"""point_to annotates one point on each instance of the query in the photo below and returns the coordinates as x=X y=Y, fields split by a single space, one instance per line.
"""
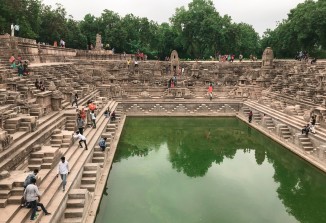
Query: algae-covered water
x=187 y=170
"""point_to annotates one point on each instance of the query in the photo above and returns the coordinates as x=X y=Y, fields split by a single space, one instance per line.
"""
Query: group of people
x=304 y=56
x=310 y=127
x=39 y=85
x=32 y=195
x=172 y=82
x=21 y=66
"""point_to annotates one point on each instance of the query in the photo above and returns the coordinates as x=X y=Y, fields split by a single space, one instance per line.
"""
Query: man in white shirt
x=63 y=170
x=81 y=138
x=31 y=195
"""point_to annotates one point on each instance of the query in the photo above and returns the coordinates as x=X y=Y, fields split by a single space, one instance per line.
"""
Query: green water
x=208 y=170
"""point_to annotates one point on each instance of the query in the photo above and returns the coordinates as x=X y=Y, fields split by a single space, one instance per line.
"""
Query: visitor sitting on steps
x=102 y=143
x=306 y=129
x=31 y=195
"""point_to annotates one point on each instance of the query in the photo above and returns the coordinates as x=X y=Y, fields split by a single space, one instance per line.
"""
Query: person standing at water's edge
x=210 y=91
x=250 y=116
x=63 y=170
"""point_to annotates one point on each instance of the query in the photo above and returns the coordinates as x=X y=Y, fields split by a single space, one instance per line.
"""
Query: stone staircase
x=305 y=143
x=77 y=203
x=89 y=177
x=268 y=123
x=46 y=158
x=71 y=118
x=284 y=131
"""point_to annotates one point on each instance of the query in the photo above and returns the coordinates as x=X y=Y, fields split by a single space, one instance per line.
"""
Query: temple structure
x=36 y=125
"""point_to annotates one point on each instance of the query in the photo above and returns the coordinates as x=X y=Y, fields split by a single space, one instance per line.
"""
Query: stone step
x=75 y=203
x=74 y=212
x=91 y=167
x=65 y=145
x=33 y=167
x=88 y=180
x=35 y=161
x=17 y=199
x=4 y=194
x=308 y=148
x=17 y=191
x=98 y=160
x=73 y=220
x=47 y=159
x=37 y=155
x=46 y=166
x=3 y=203
x=56 y=141
x=89 y=187
x=98 y=153
x=89 y=173
x=77 y=194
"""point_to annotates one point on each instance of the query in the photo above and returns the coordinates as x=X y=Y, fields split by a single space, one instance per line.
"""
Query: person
x=83 y=114
x=31 y=195
x=210 y=91
x=20 y=69
x=240 y=57
x=128 y=63
x=250 y=116
x=81 y=138
x=12 y=61
x=25 y=71
x=19 y=58
x=42 y=88
x=91 y=106
x=75 y=100
x=27 y=182
x=102 y=143
x=29 y=178
x=232 y=58
x=113 y=116
x=313 y=123
x=314 y=60
x=62 y=43
x=136 y=63
x=63 y=170
x=37 y=84
x=93 y=117
x=107 y=113
x=80 y=124
x=306 y=129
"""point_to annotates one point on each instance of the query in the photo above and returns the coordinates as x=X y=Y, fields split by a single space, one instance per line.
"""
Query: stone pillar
x=56 y=101
x=5 y=139
x=44 y=100
x=267 y=59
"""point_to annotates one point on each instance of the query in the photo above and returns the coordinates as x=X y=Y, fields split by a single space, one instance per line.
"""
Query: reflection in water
x=195 y=144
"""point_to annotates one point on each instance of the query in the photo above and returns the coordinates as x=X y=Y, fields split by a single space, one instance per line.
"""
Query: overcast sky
x=261 y=14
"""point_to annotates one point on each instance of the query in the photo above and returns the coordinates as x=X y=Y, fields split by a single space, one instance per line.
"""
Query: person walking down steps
x=63 y=170
x=93 y=116
x=81 y=138
x=75 y=100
